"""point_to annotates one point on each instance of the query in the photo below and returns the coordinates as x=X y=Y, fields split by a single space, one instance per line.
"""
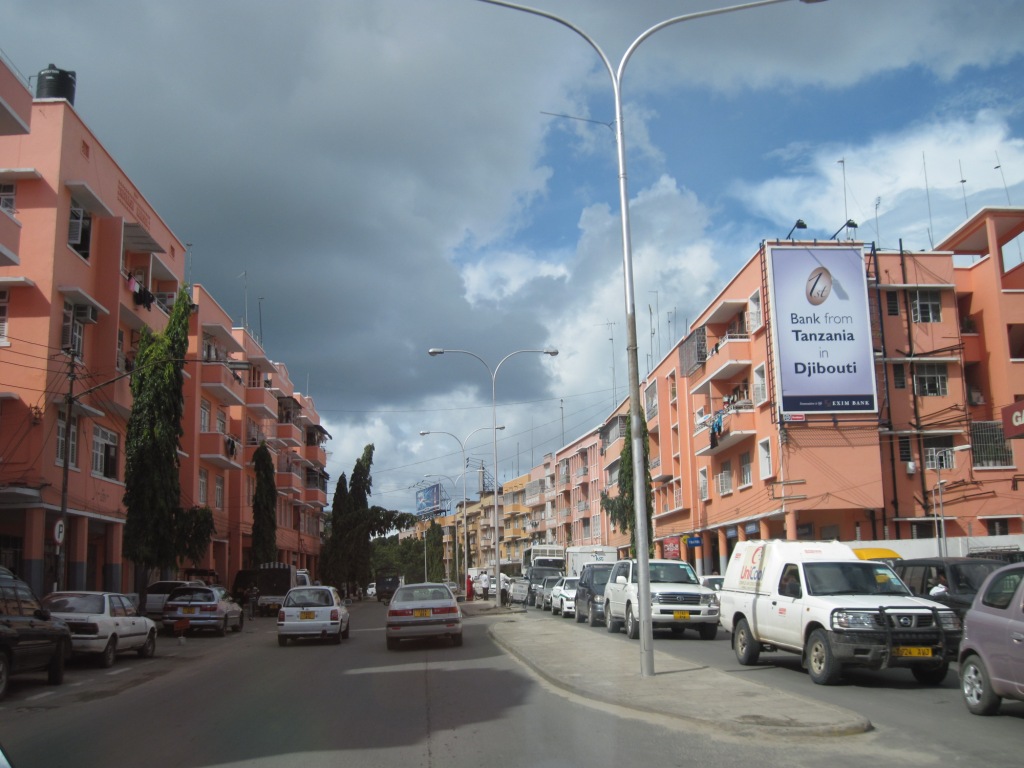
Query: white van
x=818 y=599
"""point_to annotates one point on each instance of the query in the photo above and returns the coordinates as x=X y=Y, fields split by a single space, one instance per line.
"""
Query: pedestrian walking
x=469 y=586
x=253 y=594
x=485 y=583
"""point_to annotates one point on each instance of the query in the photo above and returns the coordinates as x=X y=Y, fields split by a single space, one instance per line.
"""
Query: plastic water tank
x=55 y=83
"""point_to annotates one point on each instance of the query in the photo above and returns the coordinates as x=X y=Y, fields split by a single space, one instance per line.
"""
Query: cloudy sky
x=396 y=175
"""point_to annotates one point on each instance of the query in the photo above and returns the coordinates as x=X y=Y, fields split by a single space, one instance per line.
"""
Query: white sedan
x=103 y=624
x=423 y=610
x=563 y=596
x=312 y=613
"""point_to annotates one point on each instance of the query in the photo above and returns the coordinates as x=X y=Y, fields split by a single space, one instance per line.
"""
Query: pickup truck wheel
x=106 y=659
x=632 y=625
x=708 y=631
x=930 y=675
x=821 y=664
x=148 y=648
x=746 y=647
x=55 y=672
x=610 y=623
x=974 y=684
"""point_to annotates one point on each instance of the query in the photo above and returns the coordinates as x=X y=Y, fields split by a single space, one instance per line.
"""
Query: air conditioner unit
x=976 y=397
x=911 y=467
x=86 y=313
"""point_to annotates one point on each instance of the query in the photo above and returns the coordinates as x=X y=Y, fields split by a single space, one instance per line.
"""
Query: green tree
x=264 y=508
x=620 y=509
x=435 y=552
x=158 y=533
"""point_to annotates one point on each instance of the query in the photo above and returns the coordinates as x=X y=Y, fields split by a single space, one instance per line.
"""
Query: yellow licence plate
x=680 y=615
x=421 y=613
x=905 y=650
x=307 y=615
x=188 y=611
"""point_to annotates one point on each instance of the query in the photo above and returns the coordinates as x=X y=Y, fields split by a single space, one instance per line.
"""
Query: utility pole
x=69 y=402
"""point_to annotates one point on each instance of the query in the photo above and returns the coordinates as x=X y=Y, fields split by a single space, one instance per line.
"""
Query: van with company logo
x=819 y=600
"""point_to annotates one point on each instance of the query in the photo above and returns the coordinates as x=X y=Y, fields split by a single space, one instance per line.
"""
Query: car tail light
x=447 y=609
x=335 y=614
x=396 y=612
x=280 y=615
x=208 y=608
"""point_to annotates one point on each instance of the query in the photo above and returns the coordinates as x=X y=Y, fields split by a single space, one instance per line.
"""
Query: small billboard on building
x=428 y=500
x=821 y=330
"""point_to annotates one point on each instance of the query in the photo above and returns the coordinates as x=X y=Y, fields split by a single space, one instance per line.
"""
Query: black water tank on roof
x=54 y=83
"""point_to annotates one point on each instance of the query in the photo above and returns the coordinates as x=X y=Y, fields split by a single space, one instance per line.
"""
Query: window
x=222 y=422
x=899 y=376
x=104 y=452
x=925 y=306
x=905 y=454
x=764 y=458
x=585 y=524
x=760 y=385
x=7 y=197
x=651 y=400
x=218 y=492
x=79 y=229
x=746 y=471
x=930 y=379
x=71 y=332
x=204 y=416
x=892 y=303
x=723 y=480
x=5 y=298
x=702 y=484
x=938 y=453
x=989 y=447
x=754 y=311
x=997 y=527
x=204 y=481
x=73 y=440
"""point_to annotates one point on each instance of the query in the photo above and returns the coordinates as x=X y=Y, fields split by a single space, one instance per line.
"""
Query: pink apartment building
x=85 y=264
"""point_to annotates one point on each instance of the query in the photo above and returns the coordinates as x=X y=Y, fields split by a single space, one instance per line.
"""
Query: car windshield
x=162 y=587
x=601 y=576
x=192 y=595
x=537 y=575
x=415 y=594
x=853 y=578
x=671 y=573
x=968 y=577
x=570 y=584
x=305 y=598
x=74 y=603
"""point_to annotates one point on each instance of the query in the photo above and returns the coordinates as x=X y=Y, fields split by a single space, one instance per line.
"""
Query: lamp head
x=424 y=432
x=434 y=352
x=850 y=224
x=800 y=224
x=551 y=351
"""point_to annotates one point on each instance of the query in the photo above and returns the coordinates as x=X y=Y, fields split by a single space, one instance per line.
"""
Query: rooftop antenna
x=928 y=195
x=245 y=289
x=188 y=255
x=657 y=314
x=963 y=188
x=611 y=337
x=261 y=319
x=842 y=162
x=878 y=237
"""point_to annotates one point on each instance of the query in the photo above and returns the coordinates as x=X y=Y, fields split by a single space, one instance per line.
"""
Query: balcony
x=736 y=426
x=222 y=384
x=10 y=240
x=287 y=433
x=261 y=402
x=974 y=348
x=220 y=450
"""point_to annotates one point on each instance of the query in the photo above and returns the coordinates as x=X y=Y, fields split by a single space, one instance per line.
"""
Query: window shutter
x=75 y=226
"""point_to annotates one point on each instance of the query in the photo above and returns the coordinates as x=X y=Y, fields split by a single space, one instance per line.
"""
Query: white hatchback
x=103 y=624
x=312 y=613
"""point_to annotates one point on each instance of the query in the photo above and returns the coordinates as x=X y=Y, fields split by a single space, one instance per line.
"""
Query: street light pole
x=639 y=498
x=494 y=428
x=940 y=522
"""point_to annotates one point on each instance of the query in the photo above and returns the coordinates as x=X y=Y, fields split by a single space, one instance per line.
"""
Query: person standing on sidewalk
x=485 y=583
x=469 y=586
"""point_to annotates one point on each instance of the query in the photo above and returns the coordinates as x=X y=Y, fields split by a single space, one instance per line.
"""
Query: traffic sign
x=58 y=532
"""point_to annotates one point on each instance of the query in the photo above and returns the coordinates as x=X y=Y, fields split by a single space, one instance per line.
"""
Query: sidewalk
x=588 y=663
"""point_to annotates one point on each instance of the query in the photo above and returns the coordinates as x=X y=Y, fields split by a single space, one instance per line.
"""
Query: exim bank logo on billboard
x=822 y=330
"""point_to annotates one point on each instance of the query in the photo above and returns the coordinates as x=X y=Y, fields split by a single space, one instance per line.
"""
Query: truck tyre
x=974 y=684
x=821 y=664
x=930 y=675
x=632 y=625
x=746 y=647
x=580 y=618
x=610 y=623
x=708 y=631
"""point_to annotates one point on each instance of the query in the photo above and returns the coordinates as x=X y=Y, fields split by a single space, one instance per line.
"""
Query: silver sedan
x=202 y=608
x=423 y=610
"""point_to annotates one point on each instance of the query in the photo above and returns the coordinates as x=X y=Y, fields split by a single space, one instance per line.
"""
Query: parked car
x=712 y=582
x=964 y=577
x=423 y=610
x=103 y=624
x=371 y=590
x=156 y=596
x=991 y=659
x=202 y=607
x=31 y=640
x=312 y=613
x=678 y=601
x=535 y=575
x=590 y=593
x=544 y=594
x=563 y=596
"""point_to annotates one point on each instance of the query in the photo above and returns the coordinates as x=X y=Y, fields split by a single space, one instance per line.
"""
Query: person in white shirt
x=485 y=583
x=941 y=587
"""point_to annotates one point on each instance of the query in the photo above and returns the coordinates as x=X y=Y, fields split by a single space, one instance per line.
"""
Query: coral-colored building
x=85 y=265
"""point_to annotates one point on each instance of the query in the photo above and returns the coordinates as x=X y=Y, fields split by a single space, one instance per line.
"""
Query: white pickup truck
x=819 y=600
x=678 y=599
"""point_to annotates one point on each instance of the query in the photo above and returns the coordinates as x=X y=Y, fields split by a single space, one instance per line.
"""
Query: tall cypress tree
x=620 y=509
x=157 y=531
x=264 y=508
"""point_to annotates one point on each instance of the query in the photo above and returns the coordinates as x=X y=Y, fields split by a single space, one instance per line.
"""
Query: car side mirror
x=620 y=580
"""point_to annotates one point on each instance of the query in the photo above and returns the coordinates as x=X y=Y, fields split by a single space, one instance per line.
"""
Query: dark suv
x=30 y=640
x=590 y=593
x=964 y=577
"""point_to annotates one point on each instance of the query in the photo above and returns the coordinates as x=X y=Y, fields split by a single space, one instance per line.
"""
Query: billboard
x=1013 y=421
x=428 y=500
x=824 y=360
